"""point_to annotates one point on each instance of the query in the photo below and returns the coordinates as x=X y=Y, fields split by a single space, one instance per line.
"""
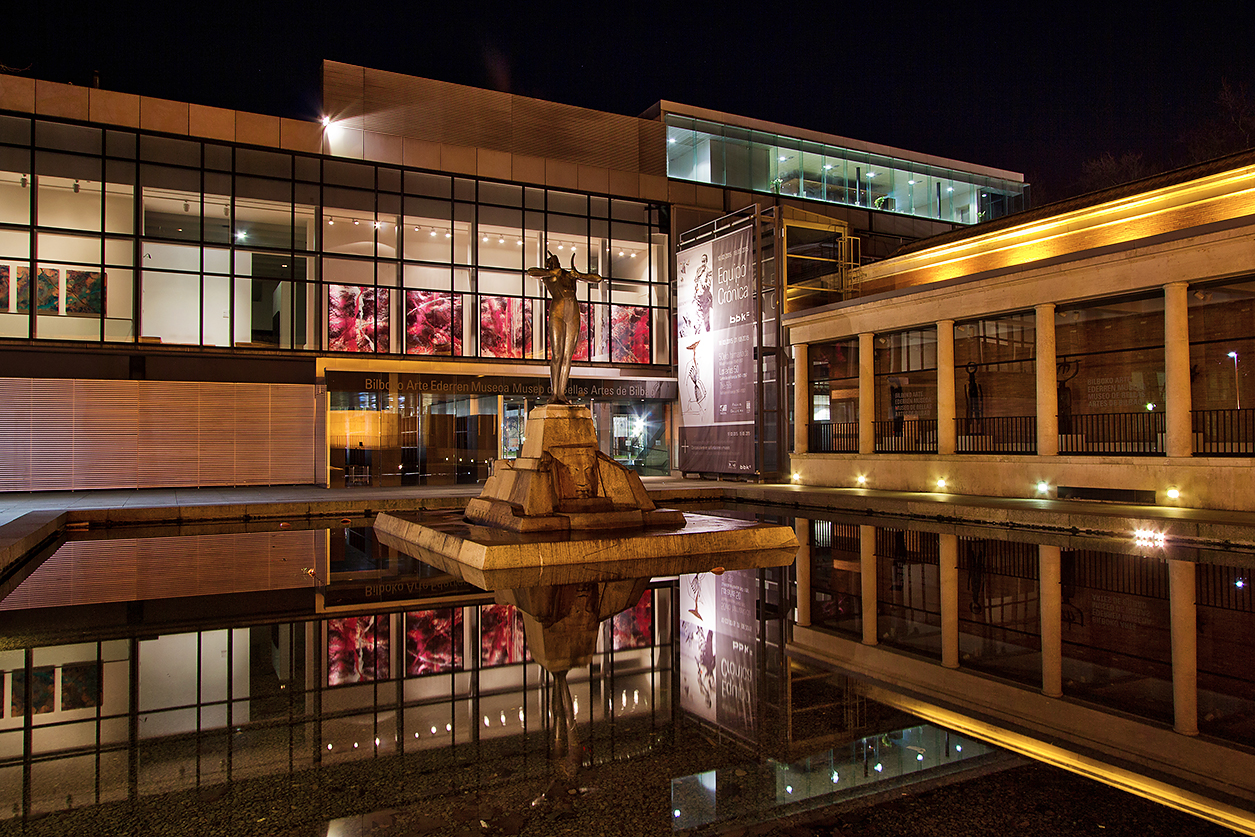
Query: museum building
x=193 y=296
x=1097 y=348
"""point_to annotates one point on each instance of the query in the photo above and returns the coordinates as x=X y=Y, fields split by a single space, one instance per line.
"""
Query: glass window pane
x=70 y=203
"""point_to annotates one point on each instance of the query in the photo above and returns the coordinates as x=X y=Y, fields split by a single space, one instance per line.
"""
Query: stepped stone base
x=563 y=482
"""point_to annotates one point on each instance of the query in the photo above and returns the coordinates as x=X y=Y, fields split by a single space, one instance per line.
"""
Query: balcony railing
x=996 y=434
x=906 y=436
x=1224 y=432
x=1133 y=434
x=834 y=437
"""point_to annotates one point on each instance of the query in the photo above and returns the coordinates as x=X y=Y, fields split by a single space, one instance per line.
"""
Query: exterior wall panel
x=65 y=434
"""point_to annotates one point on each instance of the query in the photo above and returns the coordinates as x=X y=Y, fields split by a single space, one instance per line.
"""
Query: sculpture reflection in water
x=563 y=606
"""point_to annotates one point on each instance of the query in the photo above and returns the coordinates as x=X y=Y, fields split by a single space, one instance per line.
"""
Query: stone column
x=1184 y=609
x=945 y=388
x=866 y=395
x=949 y=565
x=802 y=528
x=1177 y=399
x=1047 y=386
x=1050 y=597
x=867 y=574
x=801 y=399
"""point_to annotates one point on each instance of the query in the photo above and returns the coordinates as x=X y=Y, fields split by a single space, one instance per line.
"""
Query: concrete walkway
x=30 y=518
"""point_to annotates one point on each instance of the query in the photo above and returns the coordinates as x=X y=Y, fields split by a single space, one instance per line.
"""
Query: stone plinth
x=563 y=482
x=492 y=558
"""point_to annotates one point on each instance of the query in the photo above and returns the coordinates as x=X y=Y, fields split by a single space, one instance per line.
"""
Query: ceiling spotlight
x=448 y=235
x=861 y=479
x=433 y=232
x=827 y=166
x=378 y=225
x=23 y=181
x=1043 y=487
x=356 y=222
x=501 y=241
x=186 y=206
x=76 y=187
x=326 y=121
x=331 y=222
x=1174 y=494
x=941 y=483
x=912 y=182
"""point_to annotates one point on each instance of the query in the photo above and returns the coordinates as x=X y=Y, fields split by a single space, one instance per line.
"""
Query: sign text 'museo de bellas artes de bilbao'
x=406 y=383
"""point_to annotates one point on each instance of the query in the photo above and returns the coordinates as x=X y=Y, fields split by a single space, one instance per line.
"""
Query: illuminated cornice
x=1219 y=197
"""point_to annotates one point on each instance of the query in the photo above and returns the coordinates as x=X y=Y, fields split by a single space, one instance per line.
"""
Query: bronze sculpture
x=564 y=318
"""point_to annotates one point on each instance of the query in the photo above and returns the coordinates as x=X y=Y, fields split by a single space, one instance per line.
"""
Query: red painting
x=357 y=649
x=357 y=318
x=433 y=323
x=433 y=641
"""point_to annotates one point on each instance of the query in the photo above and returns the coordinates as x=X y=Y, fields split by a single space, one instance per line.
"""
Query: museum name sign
x=407 y=383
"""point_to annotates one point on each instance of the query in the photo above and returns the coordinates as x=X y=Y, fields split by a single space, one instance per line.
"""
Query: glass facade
x=117 y=236
x=743 y=158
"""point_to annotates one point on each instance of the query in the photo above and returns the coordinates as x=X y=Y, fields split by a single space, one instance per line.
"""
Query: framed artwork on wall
x=84 y=293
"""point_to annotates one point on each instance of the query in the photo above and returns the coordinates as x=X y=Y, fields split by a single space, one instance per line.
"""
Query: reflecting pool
x=284 y=678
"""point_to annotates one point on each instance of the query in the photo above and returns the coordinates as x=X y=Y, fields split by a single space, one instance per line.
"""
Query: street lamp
x=1237 y=386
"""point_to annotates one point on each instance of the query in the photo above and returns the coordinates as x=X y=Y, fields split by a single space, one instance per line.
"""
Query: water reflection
x=148 y=675
x=752 y=791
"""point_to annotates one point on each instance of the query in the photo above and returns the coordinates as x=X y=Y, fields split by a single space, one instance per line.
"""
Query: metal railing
x=1224 y=432
x=906 y=436
x=833 y=437
x=996 y=434
x=1134 y=434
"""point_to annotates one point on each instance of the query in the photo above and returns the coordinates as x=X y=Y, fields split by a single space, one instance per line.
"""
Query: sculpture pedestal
x=564 y=482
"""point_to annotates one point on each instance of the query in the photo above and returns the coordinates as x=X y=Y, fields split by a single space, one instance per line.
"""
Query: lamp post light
x=1237 y=386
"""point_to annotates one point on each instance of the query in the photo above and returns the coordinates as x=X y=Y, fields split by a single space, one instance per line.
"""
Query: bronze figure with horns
x=564 y=318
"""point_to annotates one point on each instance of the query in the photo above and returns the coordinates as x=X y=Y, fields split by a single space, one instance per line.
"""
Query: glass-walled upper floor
x=743 y=158
x=120 y=236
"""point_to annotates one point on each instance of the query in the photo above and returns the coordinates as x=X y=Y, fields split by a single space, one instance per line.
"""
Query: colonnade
x=1181 y=599
x=1177 y=401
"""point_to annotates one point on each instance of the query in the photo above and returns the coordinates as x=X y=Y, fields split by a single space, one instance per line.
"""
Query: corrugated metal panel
x=292 y=436
x=653 y=147
x=217 y=419
x=64 y=434
x=343 y=88
x=169 y=436
x=454 y=114
x=252 y=434
x=52 y=434
x=15 y=434
x=105 y=434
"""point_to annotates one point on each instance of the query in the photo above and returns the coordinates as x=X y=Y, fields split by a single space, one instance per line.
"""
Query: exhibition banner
x=716 y=327
x=718 y=652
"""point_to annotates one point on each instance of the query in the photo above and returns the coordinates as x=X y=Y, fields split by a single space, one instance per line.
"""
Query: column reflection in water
x=836 y=594
x=999 y=630
x=1116 y=631
x=909 y=590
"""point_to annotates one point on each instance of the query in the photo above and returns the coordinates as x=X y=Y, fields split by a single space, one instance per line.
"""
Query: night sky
x=1035 y=89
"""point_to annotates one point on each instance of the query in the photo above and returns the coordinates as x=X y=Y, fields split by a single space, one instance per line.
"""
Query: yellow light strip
x=1177 y=197
x=1125 y=780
